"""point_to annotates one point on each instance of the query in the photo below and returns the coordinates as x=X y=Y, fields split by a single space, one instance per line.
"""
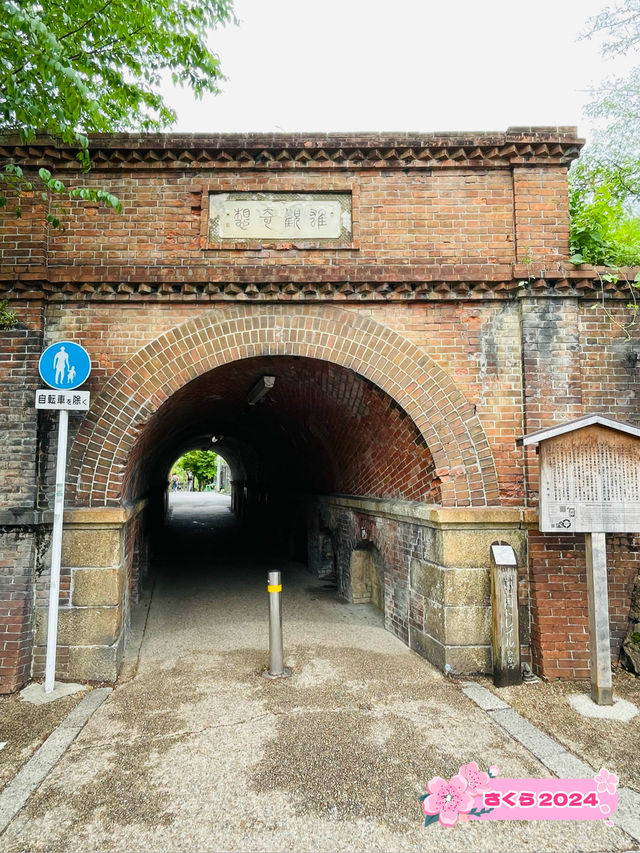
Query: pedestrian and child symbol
x=65 y=365
x=60 y=361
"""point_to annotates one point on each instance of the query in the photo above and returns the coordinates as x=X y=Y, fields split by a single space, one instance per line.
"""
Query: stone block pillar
x=93 y=613
x=450 y=587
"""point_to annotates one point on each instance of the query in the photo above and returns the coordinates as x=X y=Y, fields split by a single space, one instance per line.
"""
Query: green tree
x=604 y=227
x=72 y=67
x=203 y=463
x=604 y=182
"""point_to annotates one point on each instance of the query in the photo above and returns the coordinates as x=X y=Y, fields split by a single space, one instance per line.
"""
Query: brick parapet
x=452 y=208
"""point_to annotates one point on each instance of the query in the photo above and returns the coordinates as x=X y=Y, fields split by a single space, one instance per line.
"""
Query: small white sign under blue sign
x=64 y=365
x=73 y=401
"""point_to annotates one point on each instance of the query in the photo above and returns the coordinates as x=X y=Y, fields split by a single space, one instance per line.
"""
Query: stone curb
x=551 y=753
x=22 y=786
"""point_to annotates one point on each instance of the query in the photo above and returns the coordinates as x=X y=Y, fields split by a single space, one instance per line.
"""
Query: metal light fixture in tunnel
x=260 y=389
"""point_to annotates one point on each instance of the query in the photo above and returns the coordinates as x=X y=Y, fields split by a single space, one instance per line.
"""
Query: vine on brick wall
x=8 y=318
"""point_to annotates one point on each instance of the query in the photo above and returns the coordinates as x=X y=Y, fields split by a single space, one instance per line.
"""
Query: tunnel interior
x=321 y=429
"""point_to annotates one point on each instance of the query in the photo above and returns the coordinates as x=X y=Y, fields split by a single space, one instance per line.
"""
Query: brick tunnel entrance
x=364 y=461
x=320 y=430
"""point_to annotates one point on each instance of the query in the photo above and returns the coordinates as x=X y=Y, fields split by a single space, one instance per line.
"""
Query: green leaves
x=605 y=181
x=202 y=463
x=95 y=65
x=82 y=66
x=605 y=231
x=7 y=318
x=48 y=188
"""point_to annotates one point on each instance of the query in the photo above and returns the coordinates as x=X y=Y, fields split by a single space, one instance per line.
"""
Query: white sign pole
x=56 y=552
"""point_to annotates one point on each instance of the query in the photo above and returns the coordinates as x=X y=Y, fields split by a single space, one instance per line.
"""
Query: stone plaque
x=590 y=482
x=268 y=217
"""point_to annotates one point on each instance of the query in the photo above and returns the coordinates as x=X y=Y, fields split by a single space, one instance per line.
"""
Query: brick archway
x=425 y=392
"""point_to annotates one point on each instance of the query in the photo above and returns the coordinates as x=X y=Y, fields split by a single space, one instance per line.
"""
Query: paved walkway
x=196 y=751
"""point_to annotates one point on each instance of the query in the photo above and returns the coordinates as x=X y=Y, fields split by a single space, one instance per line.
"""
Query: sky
x=400 y=65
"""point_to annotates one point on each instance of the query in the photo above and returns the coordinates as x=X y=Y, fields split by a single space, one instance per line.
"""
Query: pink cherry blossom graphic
x=606 y=782
x=477 y=780
x=448 y=800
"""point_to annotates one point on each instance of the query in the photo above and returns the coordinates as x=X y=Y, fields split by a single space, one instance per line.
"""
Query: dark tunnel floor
x=203 y=543
x=202 y=536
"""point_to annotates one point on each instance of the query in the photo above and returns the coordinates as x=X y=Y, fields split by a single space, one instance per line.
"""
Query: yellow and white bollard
x=276 y=664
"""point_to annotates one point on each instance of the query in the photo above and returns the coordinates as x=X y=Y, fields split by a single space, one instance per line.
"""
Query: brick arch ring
x=452 y=431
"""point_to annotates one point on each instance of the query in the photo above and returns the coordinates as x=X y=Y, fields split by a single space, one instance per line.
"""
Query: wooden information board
x=590 y=482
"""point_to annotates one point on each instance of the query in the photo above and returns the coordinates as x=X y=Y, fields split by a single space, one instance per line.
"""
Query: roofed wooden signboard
x=589 y=476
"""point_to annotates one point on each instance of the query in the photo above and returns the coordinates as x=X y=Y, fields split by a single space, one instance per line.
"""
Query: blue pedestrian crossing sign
x=64 y=365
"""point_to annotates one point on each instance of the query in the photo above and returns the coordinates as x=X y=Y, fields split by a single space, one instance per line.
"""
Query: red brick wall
x=23 y=239
x=559 y=616
x=423 y=205
x=16 y=568
x=396 y=542
x=541 y=214
x=447 y=421
x=577 y=360
x=19 y=351
x=477 y=344
x=460 y=216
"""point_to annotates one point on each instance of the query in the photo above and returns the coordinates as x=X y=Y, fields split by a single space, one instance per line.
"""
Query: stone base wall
x=94 y=597
x=436 y=569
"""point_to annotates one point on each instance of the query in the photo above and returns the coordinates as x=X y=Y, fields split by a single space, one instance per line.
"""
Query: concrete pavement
x=196 y=751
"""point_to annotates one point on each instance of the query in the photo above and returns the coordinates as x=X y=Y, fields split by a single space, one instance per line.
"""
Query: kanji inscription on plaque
x=242 y=217
x=590 y=482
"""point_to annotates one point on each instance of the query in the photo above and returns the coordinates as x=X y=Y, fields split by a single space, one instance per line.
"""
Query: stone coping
x=437 y=516
x=110 y=516
x=430 y=514
x=103 y=515
x=532 y=133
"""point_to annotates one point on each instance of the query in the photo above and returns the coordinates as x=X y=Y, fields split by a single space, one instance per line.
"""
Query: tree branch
x=85 y=23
